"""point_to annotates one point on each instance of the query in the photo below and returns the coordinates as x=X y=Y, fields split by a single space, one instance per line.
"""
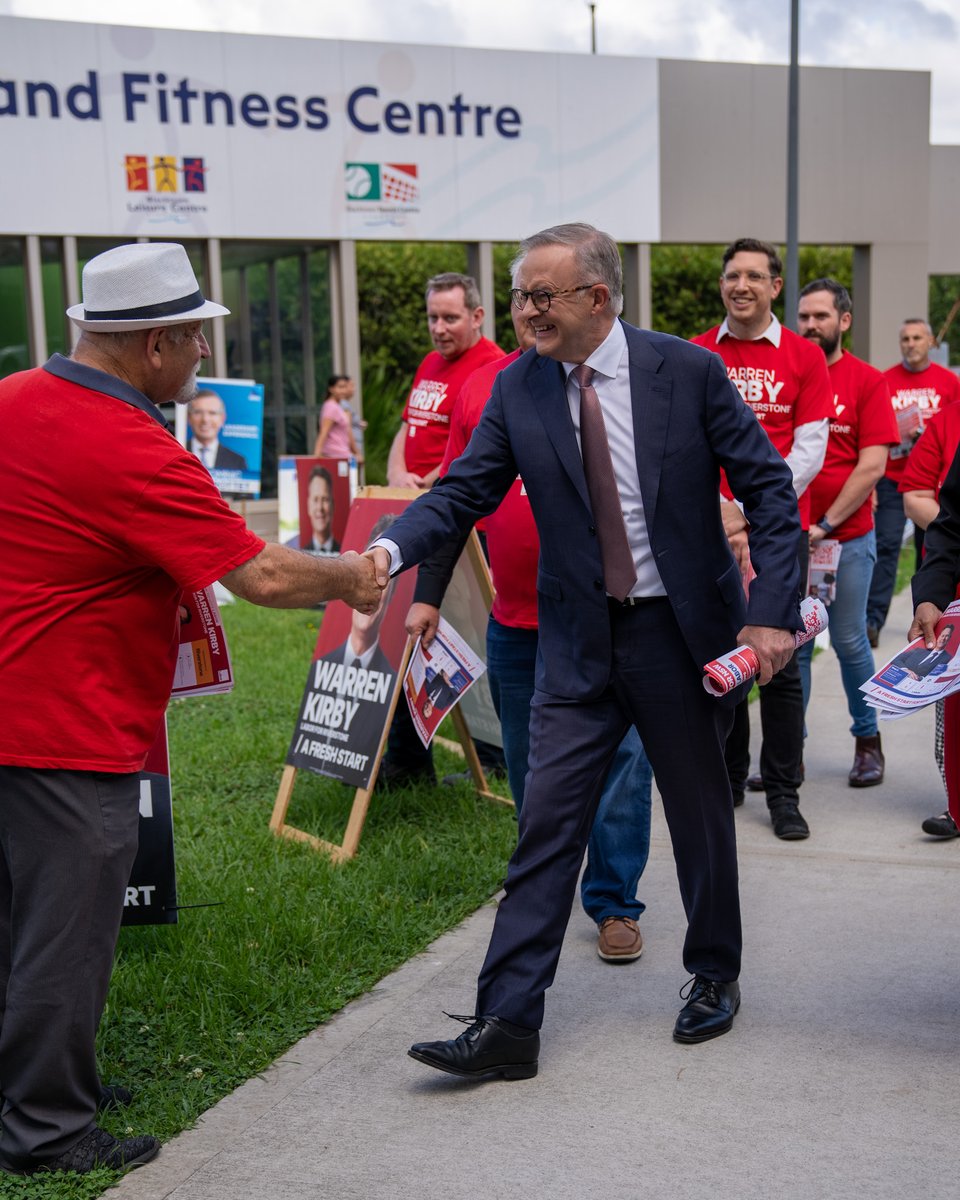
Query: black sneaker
x=943 y=826
x=97 y=1149
x=788 y=824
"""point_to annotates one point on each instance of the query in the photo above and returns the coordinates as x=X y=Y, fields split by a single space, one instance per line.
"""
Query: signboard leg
x=473 y=761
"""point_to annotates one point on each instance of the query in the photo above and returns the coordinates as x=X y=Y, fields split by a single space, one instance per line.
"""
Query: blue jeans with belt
x=620 y=838
x=848 y=632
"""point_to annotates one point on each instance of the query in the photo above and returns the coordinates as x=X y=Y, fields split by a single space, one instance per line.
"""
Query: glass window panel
x=14 y=347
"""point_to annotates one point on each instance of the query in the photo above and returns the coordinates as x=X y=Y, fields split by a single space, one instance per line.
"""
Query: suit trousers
x=67 y=844
x=656 y=686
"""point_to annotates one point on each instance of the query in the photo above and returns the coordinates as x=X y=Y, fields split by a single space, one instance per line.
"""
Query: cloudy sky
x=919 y=35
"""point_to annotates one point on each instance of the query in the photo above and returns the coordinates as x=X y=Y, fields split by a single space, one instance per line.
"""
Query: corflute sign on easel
x=175 y=134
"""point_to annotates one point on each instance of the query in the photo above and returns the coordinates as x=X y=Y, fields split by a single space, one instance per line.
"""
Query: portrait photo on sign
x=354 y=673
x=224 y=429
x=314 y=502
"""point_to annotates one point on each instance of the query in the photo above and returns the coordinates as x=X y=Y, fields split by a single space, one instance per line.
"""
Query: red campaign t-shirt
x=862 y=417
x=430 y=403
x=930 y=459
x=932 y=389
x=785 y=385
x=104 y=520
x=513 y=544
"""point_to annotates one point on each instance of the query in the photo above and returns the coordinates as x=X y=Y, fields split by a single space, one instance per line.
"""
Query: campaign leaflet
x=151 y=894
x=909 y=426
x=917 y=676
x=353 y=678
x=203 y=660
x=437 y=678
x=822 y=570
x=738 y=666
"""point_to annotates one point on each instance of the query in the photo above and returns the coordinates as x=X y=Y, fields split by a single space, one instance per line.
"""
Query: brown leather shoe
x=619 y=940
x=867 y=769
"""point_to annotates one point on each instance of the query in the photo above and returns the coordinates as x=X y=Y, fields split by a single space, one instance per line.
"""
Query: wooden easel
x=361 y=800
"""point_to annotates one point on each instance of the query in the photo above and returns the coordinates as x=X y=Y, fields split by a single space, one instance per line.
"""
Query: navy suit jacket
x=229 y=459
x=689 y=421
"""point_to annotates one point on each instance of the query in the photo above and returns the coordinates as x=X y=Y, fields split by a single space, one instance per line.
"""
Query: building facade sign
x=115 y=131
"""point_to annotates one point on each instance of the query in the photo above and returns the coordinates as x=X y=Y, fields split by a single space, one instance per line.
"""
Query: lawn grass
x=197 y=1008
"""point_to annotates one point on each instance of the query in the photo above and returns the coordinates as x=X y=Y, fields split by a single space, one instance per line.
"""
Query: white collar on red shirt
x=771 y=333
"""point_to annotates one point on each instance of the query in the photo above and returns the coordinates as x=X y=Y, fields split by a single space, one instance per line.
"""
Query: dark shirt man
x=95 y=561
x=671 y=420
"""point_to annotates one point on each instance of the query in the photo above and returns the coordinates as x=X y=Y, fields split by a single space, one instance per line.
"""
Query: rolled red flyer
x=730 y=670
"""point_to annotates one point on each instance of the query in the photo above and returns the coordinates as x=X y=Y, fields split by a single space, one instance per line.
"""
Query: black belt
x=632 y=601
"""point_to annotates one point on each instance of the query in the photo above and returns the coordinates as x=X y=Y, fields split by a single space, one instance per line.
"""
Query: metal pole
x=593 y=28
x=791 y=289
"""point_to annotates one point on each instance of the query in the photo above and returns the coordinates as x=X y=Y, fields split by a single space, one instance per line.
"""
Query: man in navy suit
x=207 y=416
x=672 y=420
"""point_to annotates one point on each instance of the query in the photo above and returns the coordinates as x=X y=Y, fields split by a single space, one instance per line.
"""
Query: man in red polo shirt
x=105 y=519
x=919 y=390
x=861 y=429
x=454 y=318
x=783 y=378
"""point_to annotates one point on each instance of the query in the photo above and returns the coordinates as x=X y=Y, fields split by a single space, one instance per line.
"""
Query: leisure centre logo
x=395 y=183
x=160 y=179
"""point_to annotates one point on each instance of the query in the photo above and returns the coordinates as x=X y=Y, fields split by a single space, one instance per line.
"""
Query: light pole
x=791 y=291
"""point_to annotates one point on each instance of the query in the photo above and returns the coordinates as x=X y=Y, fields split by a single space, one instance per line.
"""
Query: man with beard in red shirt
x=840 y=507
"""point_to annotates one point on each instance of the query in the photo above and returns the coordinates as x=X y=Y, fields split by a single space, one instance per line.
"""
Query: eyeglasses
x=542 y=298
x=733 y=277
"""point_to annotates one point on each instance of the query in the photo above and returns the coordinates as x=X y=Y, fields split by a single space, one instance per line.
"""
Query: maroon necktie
x=619 y=572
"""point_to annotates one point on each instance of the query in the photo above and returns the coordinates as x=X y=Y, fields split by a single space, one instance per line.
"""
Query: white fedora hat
x=141 y=286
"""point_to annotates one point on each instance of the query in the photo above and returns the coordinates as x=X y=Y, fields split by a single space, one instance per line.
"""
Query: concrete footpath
x=838 y=1080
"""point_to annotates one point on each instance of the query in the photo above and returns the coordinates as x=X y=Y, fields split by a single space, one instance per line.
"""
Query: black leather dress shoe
x=490 y=1049
x=709 y=1010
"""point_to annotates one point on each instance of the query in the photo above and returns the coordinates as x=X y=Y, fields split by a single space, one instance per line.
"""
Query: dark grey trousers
x=67 y=844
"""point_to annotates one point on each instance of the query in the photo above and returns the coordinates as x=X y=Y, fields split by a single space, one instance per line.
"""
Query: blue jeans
x=620 y=839
x=890 y=520
x=848 y=632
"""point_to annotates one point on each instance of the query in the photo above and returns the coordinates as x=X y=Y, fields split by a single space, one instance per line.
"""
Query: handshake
x=364 y=578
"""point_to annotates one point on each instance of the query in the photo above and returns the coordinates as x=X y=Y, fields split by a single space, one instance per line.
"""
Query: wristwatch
x=825 y=525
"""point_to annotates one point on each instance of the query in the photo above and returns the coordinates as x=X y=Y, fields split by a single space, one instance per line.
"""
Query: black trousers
x=67 y=844
x=655 y=685
x=781 y=721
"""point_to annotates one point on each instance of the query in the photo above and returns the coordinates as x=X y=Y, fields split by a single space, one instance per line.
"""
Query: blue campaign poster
x=225 y=431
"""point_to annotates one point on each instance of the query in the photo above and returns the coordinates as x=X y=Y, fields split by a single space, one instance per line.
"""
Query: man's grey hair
x=453 y=279
x=918 y=321
x=120 y=340
x=596 y=253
